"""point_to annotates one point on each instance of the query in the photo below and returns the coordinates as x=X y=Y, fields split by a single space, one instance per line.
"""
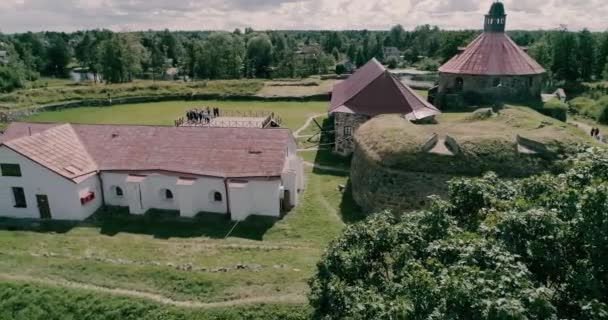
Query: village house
x=68 y=171
x=372 y=90
x=492 y=65
x=391 y=52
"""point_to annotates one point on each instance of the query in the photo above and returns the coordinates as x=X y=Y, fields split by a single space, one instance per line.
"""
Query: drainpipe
x=103 y=196
x=226 y=181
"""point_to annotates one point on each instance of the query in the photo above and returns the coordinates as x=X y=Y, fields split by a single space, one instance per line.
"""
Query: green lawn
x=293 y=114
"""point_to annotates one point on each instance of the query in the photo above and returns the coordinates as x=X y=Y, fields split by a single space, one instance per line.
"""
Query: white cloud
x=70 y=15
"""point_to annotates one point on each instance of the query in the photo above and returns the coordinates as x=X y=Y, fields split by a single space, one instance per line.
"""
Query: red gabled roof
x=492 y=54
x=73 y=151
x=373 y=90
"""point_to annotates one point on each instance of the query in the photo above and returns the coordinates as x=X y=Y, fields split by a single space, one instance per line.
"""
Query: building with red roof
x=372 y=90
x=492 y=65
x=67 y=171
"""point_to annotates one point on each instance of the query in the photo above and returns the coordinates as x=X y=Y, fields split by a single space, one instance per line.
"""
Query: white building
x=67 y=172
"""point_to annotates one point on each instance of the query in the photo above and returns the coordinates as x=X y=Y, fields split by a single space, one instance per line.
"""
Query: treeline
x=122 y=57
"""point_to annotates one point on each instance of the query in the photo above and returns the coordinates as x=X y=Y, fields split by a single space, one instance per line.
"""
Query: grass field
x=293 y=114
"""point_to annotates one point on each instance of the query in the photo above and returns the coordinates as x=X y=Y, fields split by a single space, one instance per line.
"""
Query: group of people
x=595 y=133
x=203 y=115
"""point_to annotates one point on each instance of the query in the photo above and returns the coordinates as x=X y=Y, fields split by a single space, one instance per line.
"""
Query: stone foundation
x=345 y=125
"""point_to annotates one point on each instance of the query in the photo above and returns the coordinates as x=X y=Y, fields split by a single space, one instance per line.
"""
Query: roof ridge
x=363 y=85
x=83 y=145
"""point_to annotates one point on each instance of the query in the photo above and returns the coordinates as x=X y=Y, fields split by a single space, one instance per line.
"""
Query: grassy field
x=304 y=87
x=186 y=262
x=55 y=91
x=293 y=114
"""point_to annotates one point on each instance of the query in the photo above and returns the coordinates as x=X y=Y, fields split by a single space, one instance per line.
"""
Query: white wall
x=256 y=197
x=189 y=199
x=63 y=194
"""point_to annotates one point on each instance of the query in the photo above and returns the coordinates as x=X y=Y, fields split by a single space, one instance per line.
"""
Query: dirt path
x=583 y=126
x=306 y=124
x=62 y=283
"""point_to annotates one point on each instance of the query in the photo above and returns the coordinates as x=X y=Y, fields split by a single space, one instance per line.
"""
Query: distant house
x=3 y=57
x=309 y=52
x=491 y=64
x=67 y=172
x=391 y=52
x=170 y=73
x=372 y=90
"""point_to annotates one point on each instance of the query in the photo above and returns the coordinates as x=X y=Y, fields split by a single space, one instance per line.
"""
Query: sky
x=135 y=15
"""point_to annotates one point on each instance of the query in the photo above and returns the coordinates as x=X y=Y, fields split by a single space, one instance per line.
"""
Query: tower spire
x=496 y=19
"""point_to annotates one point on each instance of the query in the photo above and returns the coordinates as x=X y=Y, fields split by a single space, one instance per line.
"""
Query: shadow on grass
x=156 y=223
x=350 y=211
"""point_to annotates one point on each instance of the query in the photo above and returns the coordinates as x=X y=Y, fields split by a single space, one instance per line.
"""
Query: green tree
x=121 y=57
x=535 y=248
x=396 y=37
x=602 y=56
x=586 y=54
x=58 y=57
x=565 y=63
x=259 y=56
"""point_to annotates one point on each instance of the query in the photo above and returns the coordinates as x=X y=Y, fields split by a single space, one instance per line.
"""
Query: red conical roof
x=373 y=90
x=493 y=54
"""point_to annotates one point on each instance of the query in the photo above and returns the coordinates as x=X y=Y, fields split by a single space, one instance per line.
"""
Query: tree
x=602 y=57
x=565 y=64
x=58 y=57
x=535 y=248
x=586 y=54
x=396 y=37
x=541 y=51
x=259 y=55
x=121 y=57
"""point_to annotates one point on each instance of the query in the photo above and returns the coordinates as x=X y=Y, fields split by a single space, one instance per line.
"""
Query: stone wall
x=511 y=87
x=376 y=188
x=345 y=125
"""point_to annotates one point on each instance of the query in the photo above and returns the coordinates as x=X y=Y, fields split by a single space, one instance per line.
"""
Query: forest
x=123 y=57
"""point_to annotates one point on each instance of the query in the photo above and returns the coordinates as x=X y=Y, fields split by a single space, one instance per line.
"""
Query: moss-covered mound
x=498 y=143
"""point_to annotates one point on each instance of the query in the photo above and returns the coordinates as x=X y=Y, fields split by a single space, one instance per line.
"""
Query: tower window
x=119 y=192
x=217 y=197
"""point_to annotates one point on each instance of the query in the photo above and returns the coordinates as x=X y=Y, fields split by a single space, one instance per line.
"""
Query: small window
x=348 y=131
x=530 y=81
x=459 y=85
x=119 y=192
x=217 y=197
x=10 y=170
x=168 y=194
x=496 y=82
x=19 y=197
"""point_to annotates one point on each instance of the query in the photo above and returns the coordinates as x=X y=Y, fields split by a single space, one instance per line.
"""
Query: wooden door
x=43 y=206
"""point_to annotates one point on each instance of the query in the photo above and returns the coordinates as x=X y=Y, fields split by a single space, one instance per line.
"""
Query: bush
x=555 y=109
x=340 y=68
x=392 y=62
x=428 y=64
x=585 y=107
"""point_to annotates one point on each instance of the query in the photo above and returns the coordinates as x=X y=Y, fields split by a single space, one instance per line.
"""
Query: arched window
x=217 y=197
x=167 y=194
x=119 y=192
x=459 y=84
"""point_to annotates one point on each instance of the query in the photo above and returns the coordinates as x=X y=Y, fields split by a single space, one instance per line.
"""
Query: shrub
x=584 y=107
x=555 y=109
x=428 y=64
x=340 y=68
x=392 y=62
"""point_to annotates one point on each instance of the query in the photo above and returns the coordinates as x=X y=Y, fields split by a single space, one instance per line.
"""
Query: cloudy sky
x=123 y=15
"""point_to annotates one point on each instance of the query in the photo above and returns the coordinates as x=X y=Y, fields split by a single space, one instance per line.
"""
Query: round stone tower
x=491 y=68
